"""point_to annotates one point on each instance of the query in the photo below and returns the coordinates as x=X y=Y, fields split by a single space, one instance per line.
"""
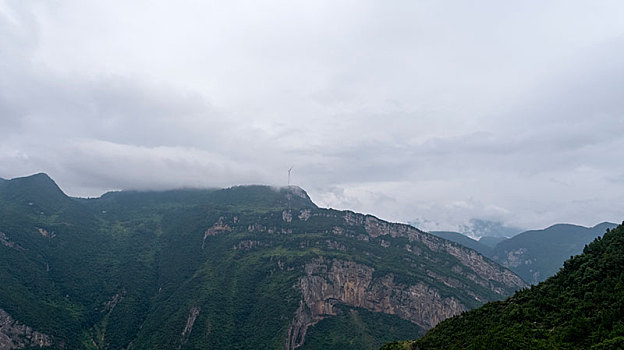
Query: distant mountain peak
x=256 y=196
x=36 y=194
x=287 y=196
x=34 y=178
x=578 y=308
x=604 y=225
x=478 y=228
x=39 y=182
x=537 y=254
x=563 y=225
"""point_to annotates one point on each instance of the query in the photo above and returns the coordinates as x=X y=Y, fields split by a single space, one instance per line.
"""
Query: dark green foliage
x=539 y=254
x=130 y=267
x=397 y=345
x=358 y=329
x=581 y=307
x=533 y=255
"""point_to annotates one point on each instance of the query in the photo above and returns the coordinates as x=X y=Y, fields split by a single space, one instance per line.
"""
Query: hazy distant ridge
x=536 y=254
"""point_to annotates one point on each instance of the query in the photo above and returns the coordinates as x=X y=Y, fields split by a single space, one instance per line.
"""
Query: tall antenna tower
x=289 y=170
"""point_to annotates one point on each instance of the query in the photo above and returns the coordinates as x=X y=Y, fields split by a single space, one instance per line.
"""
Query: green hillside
x=581 y=307
x=238 y=268
x=534 y=255
x=538 y=254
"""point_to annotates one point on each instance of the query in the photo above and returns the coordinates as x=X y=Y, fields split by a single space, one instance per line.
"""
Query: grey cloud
x=443 y=112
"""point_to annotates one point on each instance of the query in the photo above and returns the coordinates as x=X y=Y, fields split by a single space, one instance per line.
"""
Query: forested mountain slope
x=581 y=307
x=537 y=254
x=244 y=267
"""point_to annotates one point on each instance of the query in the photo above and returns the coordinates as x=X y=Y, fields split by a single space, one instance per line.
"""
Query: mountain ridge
x=34 y=186
x=538 y=254
x=578 y=308
x=464 y=240
x=234 y=268
x=535 y=254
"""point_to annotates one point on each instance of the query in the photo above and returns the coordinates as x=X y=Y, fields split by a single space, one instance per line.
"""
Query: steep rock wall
x=14 y=335
x=482 y=270
x=330 y=282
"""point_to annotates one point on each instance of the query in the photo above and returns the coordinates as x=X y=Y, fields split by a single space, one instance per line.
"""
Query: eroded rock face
x=219 y=227
x=45 y=233
x=250 y=244
x=480 y=270
x=330 y=282
x=5 y=241
x=190 y=321
x=305 y=214
x=14 y=335
x=109 y=306
x=515 y=258
x=287 y=216
x=484 y=272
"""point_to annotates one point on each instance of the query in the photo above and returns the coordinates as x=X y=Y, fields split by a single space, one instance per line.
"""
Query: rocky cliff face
x=193 y=313
x=473 y=265
x=14 y=335
x=538 y=254
x=5 y=241
x=247 y=267
x=328 y=282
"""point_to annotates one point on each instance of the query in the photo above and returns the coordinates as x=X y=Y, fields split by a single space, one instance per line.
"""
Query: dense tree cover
x=538 y=254
x=581 y=307
x=358 y=329
x=129 y=267
x=534 y=255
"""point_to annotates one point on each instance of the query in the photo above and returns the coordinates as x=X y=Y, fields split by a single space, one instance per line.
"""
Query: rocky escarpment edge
x=15 y=335
x=328 y=282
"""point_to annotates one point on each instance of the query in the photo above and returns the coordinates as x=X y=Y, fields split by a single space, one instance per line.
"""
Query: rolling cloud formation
x=428 y=111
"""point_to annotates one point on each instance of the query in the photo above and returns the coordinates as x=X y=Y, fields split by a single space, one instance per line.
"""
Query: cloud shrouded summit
x=441 y=112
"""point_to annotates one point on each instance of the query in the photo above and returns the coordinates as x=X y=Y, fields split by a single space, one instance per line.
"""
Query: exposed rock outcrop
x=115 y=299
x=330 y=282
x=218 y=228
x=248 y=244
x=5 y=241
x=287 y=216
x=14 y=335
x=305 y=214
x=45 y=233
x=190 y=321
x=483 y=272
x=514 y=258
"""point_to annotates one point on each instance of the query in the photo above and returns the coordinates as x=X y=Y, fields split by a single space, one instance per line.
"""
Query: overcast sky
x=431 y=111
